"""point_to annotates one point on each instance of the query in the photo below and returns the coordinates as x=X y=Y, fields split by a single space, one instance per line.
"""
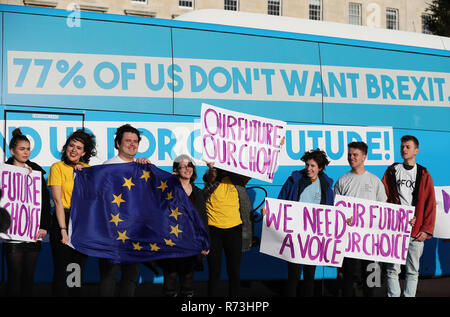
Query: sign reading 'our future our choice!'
x=22 y=198
x=320 y=235
x=245 y=144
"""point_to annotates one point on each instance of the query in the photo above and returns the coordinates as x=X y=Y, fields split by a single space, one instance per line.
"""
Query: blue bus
x=332 y=83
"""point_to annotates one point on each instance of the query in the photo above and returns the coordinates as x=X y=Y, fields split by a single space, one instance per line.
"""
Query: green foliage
x=438 y=21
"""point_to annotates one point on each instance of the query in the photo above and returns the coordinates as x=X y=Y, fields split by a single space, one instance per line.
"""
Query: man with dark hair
x=358 y=183
x=410 y=184
x=126 y=142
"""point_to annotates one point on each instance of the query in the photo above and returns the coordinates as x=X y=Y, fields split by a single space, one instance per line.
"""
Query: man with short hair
x=358 y=183
x=410 y=184
x=126 y=142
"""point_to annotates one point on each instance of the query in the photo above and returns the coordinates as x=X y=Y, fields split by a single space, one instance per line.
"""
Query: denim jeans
x=415 y=250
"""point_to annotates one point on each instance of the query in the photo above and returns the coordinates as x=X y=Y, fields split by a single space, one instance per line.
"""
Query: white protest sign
x=380 y=231
x=304 y=233
x=22 y=197
x=442 y=224
x=241 y=143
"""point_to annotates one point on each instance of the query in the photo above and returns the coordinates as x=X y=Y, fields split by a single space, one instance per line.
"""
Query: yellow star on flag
x=145 y=175
x=169 y=196
x=122 y=236
x=169 y=242
x=136 y=246
x=128 y=183
x=175 y=213
x=115 y=219
x=175 y=230
x=163 y=186
x=154 y=247
x=118 y=199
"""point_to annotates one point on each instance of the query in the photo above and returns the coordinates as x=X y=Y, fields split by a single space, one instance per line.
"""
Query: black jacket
x=45 y=204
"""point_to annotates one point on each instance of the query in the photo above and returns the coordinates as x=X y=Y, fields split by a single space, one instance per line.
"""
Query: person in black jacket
x=21 y=257
x=184 y=169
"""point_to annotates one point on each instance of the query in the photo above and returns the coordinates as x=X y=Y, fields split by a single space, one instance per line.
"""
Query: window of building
x=274 y=7
x=392 y=19
x=186 y=3
x=139 y=1
x=354 y=13
x=231 y=5
x=425 y=18
x=315 y=9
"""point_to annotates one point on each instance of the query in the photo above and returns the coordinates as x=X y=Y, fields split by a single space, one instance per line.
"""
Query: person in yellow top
x=76 y=153
x=229 y=210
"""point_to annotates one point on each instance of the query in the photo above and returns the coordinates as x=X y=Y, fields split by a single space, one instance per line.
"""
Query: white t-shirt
x=365 y=186
x=116 y=160
x=406 y=182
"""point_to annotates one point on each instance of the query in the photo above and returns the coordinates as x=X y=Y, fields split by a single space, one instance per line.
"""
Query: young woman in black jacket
x=184 y=169
x=21 y=257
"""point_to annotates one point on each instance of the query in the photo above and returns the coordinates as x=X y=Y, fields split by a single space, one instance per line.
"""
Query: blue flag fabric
x=131 y=213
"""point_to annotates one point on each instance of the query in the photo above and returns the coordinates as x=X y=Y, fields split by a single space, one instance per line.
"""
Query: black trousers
x=64 y=259
x=108 y=278
x=294 y=270
x=228 y=241
x=355 y=276
x=21 y=260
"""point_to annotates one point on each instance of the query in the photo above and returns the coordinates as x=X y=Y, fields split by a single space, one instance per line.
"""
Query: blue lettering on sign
x=289 y=145
x=328 y=145
x=236 y=80
x=99 y=81
x=148 y=77
x=294 y=83
x=190 y=144
x=164 y=147
x=165 y=141
x=151 y=143
x=126 y=75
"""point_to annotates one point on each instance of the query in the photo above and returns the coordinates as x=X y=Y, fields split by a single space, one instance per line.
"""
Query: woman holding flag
x=184 y=169
x=76 y=153
x=21 y=257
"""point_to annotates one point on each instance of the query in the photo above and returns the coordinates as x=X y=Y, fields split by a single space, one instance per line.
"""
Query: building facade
x=405 y=15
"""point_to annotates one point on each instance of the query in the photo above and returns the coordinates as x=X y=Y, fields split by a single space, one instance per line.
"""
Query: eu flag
x=130 y=213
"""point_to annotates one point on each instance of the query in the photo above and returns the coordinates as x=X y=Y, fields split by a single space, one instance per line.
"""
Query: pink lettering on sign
x=21 y=195
x=318 y=240
x=239 y=142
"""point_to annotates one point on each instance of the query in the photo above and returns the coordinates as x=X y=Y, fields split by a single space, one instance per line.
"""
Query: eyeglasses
x=185 y=167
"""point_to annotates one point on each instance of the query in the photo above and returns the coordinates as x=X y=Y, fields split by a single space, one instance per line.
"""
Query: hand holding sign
x=21 y=196
x=241 y=143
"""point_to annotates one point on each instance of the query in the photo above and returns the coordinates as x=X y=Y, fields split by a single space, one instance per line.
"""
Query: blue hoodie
x=298 y=181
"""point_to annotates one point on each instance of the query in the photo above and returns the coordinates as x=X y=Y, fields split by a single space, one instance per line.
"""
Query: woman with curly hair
x=309 y=185
x=76 y=153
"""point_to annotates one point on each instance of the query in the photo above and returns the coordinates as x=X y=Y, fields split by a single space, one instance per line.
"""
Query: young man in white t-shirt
x=126 y=142
x=410 y=184
x=359 y=183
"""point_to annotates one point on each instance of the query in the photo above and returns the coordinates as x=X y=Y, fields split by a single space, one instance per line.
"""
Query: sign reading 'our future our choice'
x=320 y=235
x=22 y=198
x=245 y=144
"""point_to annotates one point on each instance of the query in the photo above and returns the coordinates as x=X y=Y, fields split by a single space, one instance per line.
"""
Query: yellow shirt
x=223 y=206
x=61 y=174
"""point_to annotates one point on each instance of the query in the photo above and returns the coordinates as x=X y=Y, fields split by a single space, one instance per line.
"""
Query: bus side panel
x=380 y=87
x=245 y=73
x=99 y=65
